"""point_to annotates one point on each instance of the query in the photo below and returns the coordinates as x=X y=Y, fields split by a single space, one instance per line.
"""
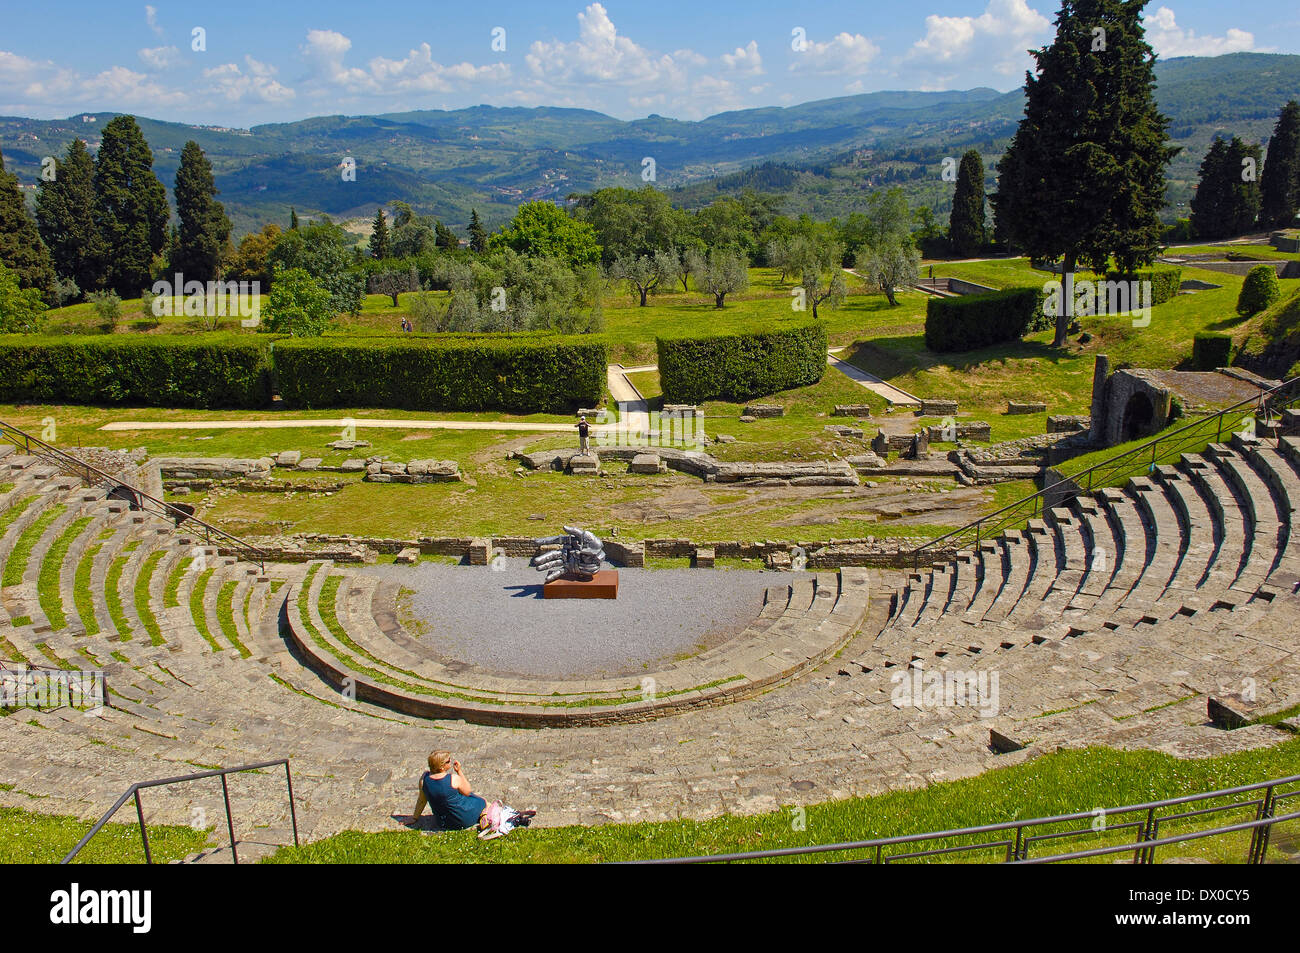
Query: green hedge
x=524 y=375
x=975 y=321
x=218 y=370
x=1165 y=283
x=1210 y=351
x=740 y=365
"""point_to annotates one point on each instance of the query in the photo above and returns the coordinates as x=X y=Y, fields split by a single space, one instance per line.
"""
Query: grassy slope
x=1056 y=783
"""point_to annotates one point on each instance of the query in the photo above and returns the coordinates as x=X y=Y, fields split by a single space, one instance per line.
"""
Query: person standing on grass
x=584 y=432
x=446 y=791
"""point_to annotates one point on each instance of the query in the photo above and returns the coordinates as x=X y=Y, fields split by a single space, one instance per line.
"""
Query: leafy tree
x=644 y=273
x=889 y=265
x=108 y=306
x=1227 y=202
x=131 y=206
x=298 y=305
x=252 y=259
x=1258 y=291
x=21 y=309
x=444 y=237
x=21 y=248
x=379 y=236
x=818 y=289
x=1084 y=176
x=887 y=220
x=393 y=282
x=966 y=223
x=411 y=238
x=1280 y=184
x=720 y=273
x=321 y=250
x=630 y=224
x=65 y=214
x=542 y=230
x=204 y=227
x=478 y=236
x=726 y=223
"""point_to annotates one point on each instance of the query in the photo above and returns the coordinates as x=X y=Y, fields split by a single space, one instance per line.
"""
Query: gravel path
x=498 y=620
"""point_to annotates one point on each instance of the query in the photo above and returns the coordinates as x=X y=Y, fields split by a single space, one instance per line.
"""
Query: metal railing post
x=144 y=834
x=293 y=812
x=1260 y=836
x=230 y=824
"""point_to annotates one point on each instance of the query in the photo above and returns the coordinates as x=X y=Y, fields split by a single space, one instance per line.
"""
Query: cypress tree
x=1227 y=202
x=1084 y=177
x=379 y=236
x=204 y=228
x=478 y=236
x=1280 y=186
x=65 y=214
x=1210 y=204
x=130 y=206
x=293 y=219
x=966 y=224
x=21 y=248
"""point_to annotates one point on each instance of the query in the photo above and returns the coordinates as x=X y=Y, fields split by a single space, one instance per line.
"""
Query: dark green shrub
x=162 y=371
x=1211 y=350
x=1259 y=290
x=741 y=364
x=523 y=374
x=975 y=321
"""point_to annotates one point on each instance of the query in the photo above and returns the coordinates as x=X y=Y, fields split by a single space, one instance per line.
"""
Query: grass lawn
x=27 y=837
x=1056 y=783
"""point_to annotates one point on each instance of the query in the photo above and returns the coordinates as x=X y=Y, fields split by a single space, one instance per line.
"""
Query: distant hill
x=826 y=155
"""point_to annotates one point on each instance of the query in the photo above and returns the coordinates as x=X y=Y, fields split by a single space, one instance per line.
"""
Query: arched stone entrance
x=1139 y=418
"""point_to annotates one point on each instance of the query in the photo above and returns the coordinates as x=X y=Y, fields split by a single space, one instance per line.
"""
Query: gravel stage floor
x=498 y=620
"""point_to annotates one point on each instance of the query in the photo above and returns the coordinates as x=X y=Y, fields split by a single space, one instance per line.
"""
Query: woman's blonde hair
x=439 y=761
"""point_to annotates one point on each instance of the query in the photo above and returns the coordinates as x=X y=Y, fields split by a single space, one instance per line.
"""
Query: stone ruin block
x=851 y=410
x=938 y=408
x=1068 y=423
x=1014 y=407
x=842 y=431
x=962 y=430
x=764 y=410
x=647 y=463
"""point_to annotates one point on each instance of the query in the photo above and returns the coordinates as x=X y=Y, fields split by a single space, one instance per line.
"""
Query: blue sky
x=280 y=61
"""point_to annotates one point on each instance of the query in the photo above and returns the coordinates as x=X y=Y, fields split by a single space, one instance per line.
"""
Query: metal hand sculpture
x=578 y=557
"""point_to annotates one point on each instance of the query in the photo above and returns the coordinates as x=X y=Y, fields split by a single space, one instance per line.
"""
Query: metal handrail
x=135 y=789
x=1143 y=848
x=12 y=434
x=1264 y=403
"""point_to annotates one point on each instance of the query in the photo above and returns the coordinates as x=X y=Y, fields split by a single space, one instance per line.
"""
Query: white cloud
x=160 y=57
x=1001 y=35
x=601 y=55
x=151 y=18
x=27 y=84
x=845 y=53
x=1168 y=39
x=419 y=72
x=325 y=50
x=745 y=60
x=255 y=83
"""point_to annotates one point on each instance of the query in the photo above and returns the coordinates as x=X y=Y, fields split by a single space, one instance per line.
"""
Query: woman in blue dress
x=445 y=789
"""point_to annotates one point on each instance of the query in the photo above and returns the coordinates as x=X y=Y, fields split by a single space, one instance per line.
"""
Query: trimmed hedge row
x=1211 y=351
x=534 y=374
x=975 y=321
x=739 y=365
x=1165 y=283
x=545 y=374
x=163 y=371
